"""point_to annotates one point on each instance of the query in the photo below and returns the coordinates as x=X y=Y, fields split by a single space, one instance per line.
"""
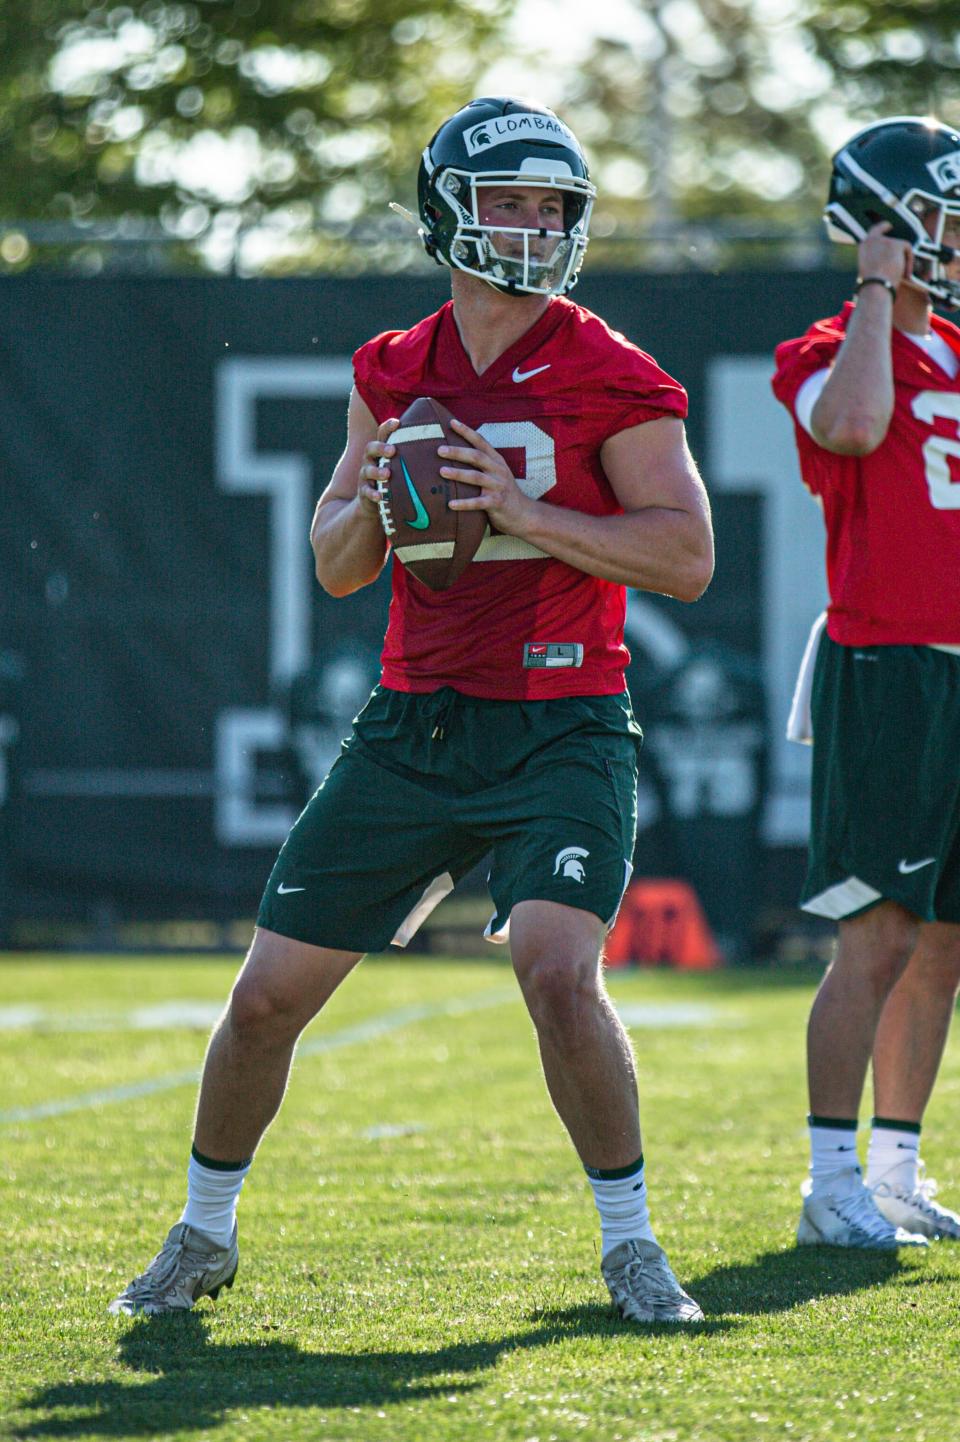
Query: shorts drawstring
x=439 y=709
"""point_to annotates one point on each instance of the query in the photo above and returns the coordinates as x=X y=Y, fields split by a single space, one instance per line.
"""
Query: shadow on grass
x=183 y=1379
x=776 y=1281
x=193 y=1382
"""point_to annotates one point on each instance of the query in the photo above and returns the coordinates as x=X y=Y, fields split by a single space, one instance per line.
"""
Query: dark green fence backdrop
x=172 y=679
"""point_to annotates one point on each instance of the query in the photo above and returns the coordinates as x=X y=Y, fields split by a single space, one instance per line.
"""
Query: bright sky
x=567 y=28
x=558 y=25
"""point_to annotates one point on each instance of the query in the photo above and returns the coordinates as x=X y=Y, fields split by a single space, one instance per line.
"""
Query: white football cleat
x=849 y=1217
x=917 y=1211
x=642 y=1286
x=187 y=1267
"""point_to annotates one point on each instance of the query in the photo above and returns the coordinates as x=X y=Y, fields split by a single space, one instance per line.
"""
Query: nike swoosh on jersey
x=283 y=890
x=421 y=520
x=519 y=375
x=905 y=867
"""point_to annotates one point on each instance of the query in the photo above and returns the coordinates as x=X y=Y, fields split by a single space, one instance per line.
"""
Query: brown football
x=434 y=543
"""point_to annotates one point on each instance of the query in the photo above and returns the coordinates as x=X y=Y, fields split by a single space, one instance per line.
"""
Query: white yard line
x=168 y=1015
x=661 y=1016
x=362 y=1031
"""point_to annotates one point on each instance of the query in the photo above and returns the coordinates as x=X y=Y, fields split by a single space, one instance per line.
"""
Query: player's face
x=522 y=207
x=950 y=236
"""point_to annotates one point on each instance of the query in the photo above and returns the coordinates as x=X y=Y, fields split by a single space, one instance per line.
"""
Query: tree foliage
x=225 y=116
x=728 y=110
x=276 y=130
x=891 y=57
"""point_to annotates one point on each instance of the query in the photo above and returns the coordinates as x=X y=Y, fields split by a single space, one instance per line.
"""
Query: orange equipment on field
x=661 y=923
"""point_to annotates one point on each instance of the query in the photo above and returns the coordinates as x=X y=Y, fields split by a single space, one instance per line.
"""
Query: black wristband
x=863 y=280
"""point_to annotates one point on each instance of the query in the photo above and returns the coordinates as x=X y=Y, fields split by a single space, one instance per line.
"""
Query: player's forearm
x=349 y=545
x=655 y=549
x=854 y=408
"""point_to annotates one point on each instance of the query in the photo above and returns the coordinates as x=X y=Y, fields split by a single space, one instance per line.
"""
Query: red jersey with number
x=547 y=405
x=893 y=517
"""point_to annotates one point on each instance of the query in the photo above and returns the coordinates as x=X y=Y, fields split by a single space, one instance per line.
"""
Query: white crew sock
x=212 y=1195
x=834 y=1165
x=621 y=1198
x=893 y=1155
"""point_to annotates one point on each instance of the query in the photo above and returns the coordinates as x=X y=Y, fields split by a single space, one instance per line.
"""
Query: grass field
x=419 y=1248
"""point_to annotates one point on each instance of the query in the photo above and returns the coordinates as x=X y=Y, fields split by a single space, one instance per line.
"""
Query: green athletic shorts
x=426 y=785
x=885 y=816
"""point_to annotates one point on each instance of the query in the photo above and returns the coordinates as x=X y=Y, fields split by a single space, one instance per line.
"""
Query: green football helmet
x=497 y=141
x=905 y=170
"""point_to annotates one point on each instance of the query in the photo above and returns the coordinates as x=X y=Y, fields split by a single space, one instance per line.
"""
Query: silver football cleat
x=188 y=1266
x=848 y=1217
x=643 y=1287
x=917 y=1211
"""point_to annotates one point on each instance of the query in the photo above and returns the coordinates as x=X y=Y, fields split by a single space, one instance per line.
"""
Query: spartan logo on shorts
x=568 y=863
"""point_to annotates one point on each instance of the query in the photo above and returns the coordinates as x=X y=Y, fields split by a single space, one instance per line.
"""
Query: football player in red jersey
x=875 y=396
x=501 y=723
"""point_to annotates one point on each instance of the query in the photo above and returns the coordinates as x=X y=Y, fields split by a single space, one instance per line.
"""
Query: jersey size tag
x=537 y=654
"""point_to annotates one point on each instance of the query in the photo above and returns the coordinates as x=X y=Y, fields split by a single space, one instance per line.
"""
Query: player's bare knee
x=936 y=959
x=886 y=964
x=877 y=946
x=562 y=997
x=260 y=1012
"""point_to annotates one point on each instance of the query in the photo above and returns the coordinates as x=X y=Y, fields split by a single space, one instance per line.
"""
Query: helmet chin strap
x=503 y=287
x=933 y=286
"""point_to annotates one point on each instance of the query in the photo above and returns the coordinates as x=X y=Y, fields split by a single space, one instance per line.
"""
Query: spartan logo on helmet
x=946 y=171
x=568 y=863
x=499 y=141
x=904 y=171
x=505 y=129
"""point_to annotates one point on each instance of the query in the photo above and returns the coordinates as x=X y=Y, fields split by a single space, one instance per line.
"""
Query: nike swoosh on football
x=283 y=890
x=519 y=375
x=421 y=520
x=906 y=867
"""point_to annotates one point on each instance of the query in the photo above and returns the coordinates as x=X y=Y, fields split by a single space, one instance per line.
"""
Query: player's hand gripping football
x=479 y=464
x=376 y=462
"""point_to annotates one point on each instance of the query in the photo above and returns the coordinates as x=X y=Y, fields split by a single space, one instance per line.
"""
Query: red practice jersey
x=547 y=405
x=893 y=517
